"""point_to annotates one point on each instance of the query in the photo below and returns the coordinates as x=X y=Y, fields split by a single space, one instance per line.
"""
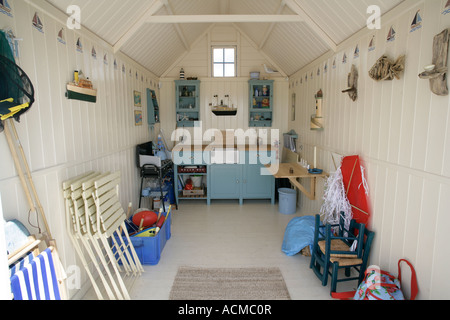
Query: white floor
x=226 y=234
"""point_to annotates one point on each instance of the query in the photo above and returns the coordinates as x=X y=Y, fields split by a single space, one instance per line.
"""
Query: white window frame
x=214 y=47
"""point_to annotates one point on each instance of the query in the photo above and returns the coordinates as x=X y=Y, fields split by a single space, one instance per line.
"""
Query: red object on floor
x=149 y=217
x=161 y=221
x=356 y=193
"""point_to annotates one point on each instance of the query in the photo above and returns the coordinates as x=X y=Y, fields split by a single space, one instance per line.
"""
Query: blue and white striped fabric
x=19 y=265
x=37 y=280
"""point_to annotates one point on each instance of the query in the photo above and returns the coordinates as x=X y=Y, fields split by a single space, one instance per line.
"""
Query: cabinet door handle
x=237 y=181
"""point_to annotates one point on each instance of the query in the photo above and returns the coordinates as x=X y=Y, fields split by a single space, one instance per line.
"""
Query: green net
x=16 y=89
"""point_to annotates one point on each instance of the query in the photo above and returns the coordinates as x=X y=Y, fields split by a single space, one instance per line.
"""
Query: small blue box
x=149 y=249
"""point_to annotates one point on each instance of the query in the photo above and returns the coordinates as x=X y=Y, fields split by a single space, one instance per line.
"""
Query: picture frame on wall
x=137 y=118
x=137 y=99
x=293 y=107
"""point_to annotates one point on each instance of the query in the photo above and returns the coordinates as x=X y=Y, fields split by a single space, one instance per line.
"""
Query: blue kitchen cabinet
x=225 y=181
x=245 y=181
x=248 y=179
x=257 y=182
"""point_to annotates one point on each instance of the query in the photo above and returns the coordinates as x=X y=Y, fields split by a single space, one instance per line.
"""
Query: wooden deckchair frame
x=90 y=234
x=33 y=247
x=91 y=199
x=74 y=230
x=111 y=221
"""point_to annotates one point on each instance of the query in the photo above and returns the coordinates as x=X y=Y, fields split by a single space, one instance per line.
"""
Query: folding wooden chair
x=111 y=222
x=77 y=231
x=85 y=211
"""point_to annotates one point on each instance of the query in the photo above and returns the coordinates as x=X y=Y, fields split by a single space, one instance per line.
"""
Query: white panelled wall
x=399 y=128
x=401 y=131
x=64 y=138
x=197 y=62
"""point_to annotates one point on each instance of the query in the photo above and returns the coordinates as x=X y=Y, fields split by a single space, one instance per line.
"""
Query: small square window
x=224 y=62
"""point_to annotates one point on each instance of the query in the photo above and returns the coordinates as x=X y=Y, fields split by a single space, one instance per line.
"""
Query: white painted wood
x=64 y=138
x=5 y=284
x=154 y=7
x=311 y=23
x=124 y=24
x=400 y=130
x=224 y=18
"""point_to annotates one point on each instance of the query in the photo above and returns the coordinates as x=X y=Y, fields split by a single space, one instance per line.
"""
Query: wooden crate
x=194 y=193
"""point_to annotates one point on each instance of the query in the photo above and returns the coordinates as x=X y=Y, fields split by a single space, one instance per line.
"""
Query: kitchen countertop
x=210 y=147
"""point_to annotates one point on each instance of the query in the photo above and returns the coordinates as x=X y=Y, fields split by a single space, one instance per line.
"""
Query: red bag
x=386 y=287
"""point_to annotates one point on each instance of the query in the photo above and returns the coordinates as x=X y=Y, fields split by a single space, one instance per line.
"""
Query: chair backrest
x=348 y=235
x=145 y=149
x=355 y=232
x=368 y=240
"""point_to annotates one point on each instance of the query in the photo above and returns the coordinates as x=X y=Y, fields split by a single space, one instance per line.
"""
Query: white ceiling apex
x=294 y=6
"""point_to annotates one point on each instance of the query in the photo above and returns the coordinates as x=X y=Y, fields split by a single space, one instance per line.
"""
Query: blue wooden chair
x=332 y=251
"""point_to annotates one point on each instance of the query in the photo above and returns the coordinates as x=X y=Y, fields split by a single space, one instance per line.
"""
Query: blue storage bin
x=149 y=249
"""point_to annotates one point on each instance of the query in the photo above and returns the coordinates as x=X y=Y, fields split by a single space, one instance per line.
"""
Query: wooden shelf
x=284 y=172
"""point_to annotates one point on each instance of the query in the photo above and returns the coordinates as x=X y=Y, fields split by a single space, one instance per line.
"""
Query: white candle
x=315 y=157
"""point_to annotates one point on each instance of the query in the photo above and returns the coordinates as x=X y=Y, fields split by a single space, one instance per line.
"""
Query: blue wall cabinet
x=261 y=103
x=187 y=102
x=152 y=107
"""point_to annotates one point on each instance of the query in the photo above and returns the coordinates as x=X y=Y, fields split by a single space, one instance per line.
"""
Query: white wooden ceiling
x=292 y=33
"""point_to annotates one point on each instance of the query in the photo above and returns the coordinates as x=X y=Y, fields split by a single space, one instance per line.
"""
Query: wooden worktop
x=210 y=147
x=298 y=171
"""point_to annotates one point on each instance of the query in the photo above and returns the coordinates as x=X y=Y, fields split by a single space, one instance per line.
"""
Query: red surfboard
x=356 y=193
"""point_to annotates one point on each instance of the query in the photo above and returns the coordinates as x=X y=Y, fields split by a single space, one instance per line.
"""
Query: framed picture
x=137 y=118
x=137 y=99
x=293 y=107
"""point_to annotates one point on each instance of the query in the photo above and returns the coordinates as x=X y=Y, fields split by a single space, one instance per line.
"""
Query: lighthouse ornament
x=182 y=74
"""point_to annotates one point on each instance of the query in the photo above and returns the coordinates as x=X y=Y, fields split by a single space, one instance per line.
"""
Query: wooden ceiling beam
x=154 y=7
x=294 y=6
x=177 y=26
x=272 y=25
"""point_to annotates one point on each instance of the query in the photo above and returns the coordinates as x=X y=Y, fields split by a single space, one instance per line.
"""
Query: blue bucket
x=288 y=201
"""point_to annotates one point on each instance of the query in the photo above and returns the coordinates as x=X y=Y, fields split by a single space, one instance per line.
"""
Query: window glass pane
x=218 y=55
x=229 y=70
x=229 y=55
x=218 y=70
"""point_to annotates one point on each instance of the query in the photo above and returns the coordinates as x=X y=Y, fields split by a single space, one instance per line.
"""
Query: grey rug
x=229 y=284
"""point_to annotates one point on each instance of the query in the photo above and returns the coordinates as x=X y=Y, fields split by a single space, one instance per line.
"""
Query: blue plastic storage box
x=149 y=249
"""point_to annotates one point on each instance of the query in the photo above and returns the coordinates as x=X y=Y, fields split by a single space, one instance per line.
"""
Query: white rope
x=335 y=200
x=364 y=181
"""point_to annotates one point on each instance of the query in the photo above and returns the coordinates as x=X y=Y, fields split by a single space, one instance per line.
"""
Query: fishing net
x=16 y=89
